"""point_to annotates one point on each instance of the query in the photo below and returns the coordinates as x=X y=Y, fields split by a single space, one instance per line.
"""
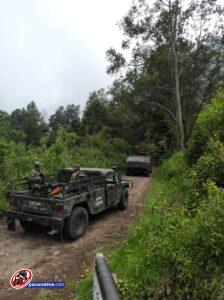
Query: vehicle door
x=112 y=188
x=97 y=195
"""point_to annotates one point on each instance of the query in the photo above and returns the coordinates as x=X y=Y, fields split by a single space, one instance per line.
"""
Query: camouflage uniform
x=74 y=176
x=34 y=174
x=36 y=180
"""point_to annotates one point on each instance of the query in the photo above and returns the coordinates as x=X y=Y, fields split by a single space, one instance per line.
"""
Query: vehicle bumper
x=42 y=220
x=138 y=169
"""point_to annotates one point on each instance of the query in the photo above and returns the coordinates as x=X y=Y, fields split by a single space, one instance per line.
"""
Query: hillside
x=175 y=250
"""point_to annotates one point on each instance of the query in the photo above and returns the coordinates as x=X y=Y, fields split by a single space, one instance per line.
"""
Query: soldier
x=75 y=173
x=36 y=172
x=37 y=177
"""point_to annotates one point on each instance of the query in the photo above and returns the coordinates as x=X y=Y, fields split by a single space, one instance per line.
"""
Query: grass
x=84 y=289
x=174 y=250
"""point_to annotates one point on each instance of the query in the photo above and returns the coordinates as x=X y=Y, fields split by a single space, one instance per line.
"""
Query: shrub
x=210 y=166
x=102 y=151
x=173 y=167
x=209 y=124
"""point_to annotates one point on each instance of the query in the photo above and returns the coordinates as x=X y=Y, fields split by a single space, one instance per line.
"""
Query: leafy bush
x=173 y=167
x=210 y=166
x=102 y=151
x=209 y=124
x=158 y=151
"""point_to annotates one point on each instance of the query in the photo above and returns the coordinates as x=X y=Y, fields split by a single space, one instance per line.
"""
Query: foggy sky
x=53 y=51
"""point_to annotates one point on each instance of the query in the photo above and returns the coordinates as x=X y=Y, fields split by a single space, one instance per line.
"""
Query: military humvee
x=94 y=191
x=140 y=164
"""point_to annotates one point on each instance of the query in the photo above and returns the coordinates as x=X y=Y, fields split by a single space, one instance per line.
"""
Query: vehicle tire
x=147 y=173
x=76 y=224
x=128 y=173
x=123 y=204
x=29 y=226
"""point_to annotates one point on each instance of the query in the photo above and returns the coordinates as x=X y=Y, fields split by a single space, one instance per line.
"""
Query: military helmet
x=38 y=164
x=76 y=166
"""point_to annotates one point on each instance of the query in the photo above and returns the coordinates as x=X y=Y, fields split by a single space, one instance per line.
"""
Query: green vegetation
x=170 y=77
x=175 y=250
x=175 y=67
x=84 y=289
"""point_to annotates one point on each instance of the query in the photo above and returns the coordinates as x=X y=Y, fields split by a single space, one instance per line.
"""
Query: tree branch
x=165 y=108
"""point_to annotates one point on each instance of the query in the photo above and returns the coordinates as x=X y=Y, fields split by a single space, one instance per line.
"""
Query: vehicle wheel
x=147 y=173
x=26 y=225
x=76 y=224
x=29 y=226
x=123 y=204
x=128 y=173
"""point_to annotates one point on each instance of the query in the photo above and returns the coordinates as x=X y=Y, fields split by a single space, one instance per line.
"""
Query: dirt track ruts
x=51 y=260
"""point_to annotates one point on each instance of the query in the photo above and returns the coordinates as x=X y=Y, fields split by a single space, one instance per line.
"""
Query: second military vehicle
x=68 y=211
x=139 y=164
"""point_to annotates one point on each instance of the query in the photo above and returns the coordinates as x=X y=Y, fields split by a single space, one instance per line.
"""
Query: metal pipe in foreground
x=104 y=285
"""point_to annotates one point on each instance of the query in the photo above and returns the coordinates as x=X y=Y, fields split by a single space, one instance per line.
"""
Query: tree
x=170 y=23
x=133 y=118
x=68 y=117
x=30 y=122
x=95 y=115
x=174 y=14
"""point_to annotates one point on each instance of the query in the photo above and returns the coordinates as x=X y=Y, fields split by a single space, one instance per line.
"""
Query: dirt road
x=51 y=260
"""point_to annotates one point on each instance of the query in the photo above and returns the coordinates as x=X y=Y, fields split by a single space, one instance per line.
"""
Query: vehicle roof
x=100 y=170
x=140 y=158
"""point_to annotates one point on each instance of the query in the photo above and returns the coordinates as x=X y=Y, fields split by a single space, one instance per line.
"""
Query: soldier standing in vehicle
x=36 y=172
x=37 y=177
x=75 y=173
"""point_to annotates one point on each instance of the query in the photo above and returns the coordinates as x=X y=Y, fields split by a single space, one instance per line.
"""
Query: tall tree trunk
x=178 y=102
x=174 y=16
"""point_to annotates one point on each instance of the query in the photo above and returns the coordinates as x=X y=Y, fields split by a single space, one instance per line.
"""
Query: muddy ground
x=51 y=260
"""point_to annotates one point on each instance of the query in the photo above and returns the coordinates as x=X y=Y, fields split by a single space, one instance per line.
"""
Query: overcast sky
x=53 y=51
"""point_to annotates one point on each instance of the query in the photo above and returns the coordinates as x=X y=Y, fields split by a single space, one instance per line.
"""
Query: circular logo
x=21 y=278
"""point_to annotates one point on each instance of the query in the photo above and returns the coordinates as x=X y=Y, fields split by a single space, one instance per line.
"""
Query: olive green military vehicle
x=68 y=211
x=139 y=164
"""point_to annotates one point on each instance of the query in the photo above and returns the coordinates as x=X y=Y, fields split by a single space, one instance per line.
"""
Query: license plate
x=34 y=203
